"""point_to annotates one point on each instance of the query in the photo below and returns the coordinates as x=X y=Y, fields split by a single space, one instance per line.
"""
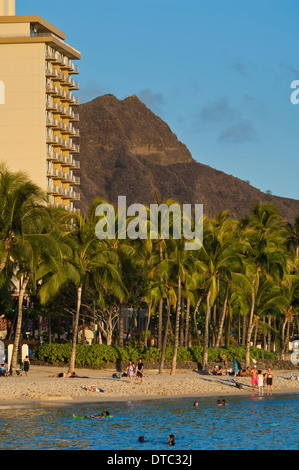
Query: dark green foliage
x=97 y=355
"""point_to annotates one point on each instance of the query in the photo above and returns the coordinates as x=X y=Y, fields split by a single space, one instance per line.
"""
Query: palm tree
x=31 y=252
x=218 y=257
x=290 y=292
x=18 y=196
x=178 y=264
x=265 y=232
x=95 y=264
x=293 y=236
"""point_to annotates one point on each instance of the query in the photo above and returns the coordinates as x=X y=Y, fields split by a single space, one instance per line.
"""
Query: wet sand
x=39 y=388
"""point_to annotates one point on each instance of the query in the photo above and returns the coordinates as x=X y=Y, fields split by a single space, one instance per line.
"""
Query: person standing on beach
x=26 y=364
x=260 y=382
x=269 y=375
x=130 y=371
x=223 y=359
x=254 y=378
x=139 y=374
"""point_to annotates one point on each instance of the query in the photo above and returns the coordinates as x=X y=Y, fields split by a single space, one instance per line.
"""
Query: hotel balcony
x=51 y=104
x=73 y=131
x=76 y=196
x=69 y=161
x=51 y=121
x=64 y=193
x=72 y=83
x=51 y=72
x=52 y=155
x=74 y=148
x=63 y=127
x=53 y=173
x=52 y=138
x=72 y=115
x=53 y=189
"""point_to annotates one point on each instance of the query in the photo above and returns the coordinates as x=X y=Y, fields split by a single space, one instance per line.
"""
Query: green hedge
x=97 y=355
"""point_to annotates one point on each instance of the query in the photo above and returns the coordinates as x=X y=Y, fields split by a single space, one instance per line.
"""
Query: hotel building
x=38 y=109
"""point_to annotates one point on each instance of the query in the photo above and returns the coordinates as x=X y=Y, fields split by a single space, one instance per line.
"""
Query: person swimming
x=171 y=440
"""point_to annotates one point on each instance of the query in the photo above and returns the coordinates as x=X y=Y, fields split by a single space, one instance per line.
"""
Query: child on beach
x=254 y=378
x=260 y=382
x=130 y=371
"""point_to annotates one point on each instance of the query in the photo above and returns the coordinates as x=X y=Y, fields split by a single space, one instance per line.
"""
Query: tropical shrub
x=97 y=355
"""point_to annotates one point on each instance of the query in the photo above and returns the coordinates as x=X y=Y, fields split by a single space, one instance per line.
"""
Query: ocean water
x=248 y=423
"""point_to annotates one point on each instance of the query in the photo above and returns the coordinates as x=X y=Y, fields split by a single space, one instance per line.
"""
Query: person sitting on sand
x=220 y=371
x=215 y=370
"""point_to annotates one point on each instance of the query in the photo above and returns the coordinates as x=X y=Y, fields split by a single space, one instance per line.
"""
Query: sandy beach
x=39 y=388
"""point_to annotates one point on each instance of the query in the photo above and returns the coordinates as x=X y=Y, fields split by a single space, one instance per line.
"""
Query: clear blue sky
x=217 y=71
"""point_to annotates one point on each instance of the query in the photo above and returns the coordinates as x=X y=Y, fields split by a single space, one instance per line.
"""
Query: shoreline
x=38 y=389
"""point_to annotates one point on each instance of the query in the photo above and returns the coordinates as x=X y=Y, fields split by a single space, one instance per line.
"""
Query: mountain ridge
x=126 y=150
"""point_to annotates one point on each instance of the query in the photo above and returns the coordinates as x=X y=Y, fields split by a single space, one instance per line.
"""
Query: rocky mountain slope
x=126 y=150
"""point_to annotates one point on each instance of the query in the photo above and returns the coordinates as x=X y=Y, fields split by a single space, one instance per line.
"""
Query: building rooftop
x=40 y=31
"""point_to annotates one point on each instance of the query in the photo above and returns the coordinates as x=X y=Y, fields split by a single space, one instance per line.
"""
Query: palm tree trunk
x=177 y=328
x=222 y=317
x=255 y=334
x=162 y=359
x=250 y=326
x=182 y=335
x=147 y=325
x=160 y=323
x=3 y=261
x=214 y=314
x=187 y=323
x=264 y=333
x=244 y=323
x=228 y=330
x=22 y=291
x=194 y=319
x=283 y=332
x=75 y=330
x=121 y=326
x=269 y=334
x=287 y=339
x=206 y=334
x=49 y=330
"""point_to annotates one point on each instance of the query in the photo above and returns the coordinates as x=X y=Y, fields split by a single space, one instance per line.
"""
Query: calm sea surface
x=267 y=423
